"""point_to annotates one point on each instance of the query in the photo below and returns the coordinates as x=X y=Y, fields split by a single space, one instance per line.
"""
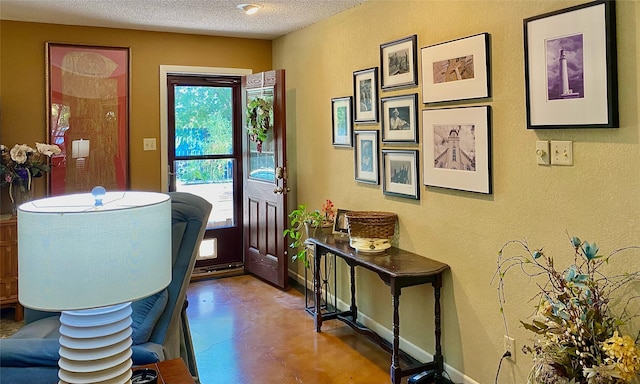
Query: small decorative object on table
x=144 y=376
x=328 y=216
x=371 y=231
x=19 y=165
x=586 y=320
x=340 y=225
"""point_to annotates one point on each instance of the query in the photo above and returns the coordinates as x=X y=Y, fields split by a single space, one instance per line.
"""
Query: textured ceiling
x=203 y=17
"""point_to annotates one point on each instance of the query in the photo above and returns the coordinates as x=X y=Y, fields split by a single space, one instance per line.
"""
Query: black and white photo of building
x=454 y=147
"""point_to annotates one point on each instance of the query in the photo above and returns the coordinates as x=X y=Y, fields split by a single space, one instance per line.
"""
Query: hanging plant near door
x=258 y=120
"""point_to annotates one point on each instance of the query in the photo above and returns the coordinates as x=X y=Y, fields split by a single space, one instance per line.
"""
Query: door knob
x=279 y=190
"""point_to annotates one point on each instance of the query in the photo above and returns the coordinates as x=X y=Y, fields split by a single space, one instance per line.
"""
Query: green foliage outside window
x=204 y=126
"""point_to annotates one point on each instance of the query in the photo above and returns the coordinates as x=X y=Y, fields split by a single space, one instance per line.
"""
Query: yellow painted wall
x=597 y=199
x=22 y=84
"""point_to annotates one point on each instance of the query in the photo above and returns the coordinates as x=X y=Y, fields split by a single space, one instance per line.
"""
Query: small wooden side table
x=9 y=265
x=171 y=372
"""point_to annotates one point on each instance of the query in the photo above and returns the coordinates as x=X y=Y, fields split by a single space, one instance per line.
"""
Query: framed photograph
x=571 y=68
x=340 y=225
x=400 y=173
x=456 y=70
x=398 y=63
x=365 y=92
x=400 y=119
x=342 y=121
x=366 y=157
x=87 y=101
x=457 y=148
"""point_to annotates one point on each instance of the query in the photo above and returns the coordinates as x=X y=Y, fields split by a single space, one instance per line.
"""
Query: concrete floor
x=246 y=331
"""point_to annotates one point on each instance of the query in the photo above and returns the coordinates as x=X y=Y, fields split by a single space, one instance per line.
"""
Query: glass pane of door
x=204 y=121
x=262 y=161
x=213 y=180
x=205 y=158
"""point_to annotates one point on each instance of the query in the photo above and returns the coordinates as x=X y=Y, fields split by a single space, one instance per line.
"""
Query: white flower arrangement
x=20 y=164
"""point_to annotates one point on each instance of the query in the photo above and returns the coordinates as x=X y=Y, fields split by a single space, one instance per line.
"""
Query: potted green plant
x=303 y=223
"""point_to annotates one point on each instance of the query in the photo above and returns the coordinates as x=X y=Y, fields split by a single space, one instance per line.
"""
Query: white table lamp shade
x=75 y=256
x=90 y=256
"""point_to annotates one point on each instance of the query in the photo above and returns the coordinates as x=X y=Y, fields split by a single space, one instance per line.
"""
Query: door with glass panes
x=205 y=158
x=265 y=185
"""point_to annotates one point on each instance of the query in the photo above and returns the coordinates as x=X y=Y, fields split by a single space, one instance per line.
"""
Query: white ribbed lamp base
x=95 y=346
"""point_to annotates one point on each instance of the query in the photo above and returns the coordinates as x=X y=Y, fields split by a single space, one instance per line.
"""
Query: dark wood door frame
x=229 y=239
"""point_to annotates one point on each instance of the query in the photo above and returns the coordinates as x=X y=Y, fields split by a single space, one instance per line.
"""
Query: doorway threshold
x=209 y=273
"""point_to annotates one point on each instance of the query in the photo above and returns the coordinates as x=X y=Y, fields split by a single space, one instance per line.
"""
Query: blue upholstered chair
x=160 y=325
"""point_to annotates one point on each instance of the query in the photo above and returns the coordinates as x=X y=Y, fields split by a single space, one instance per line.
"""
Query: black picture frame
x=400 y=173
x=366 y=162
x=398 y=63
x=399 y=119
x=457 y=148
x=342 y=121
x=457 y=70
x=571 y=67
x=365 y=95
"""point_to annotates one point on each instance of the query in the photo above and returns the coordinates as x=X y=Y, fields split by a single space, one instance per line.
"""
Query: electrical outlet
x=561 y=153
x=149 y=144
x=510 y=346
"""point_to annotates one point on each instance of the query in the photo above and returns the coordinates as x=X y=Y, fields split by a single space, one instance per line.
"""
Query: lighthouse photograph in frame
x=570 y=67
x=565 y=68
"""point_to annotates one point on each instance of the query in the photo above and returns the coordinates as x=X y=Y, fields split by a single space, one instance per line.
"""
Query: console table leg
x=317 y=288
x=354 y=308
x=395 y=355
x=438 y=358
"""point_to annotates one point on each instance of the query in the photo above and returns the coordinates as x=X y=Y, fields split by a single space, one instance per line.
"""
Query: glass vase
x=20 y=193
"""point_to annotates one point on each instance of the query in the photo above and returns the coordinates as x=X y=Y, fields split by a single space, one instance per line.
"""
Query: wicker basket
x=371 y=225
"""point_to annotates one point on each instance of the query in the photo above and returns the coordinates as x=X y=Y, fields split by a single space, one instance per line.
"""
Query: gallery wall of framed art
x=456 y=71
x=570 y=81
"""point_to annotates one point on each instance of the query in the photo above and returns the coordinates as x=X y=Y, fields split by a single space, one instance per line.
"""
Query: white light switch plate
x=562 y=153
x=149 y=144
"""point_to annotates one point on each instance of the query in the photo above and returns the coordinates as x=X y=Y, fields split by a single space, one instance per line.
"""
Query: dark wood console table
x=398 y=269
